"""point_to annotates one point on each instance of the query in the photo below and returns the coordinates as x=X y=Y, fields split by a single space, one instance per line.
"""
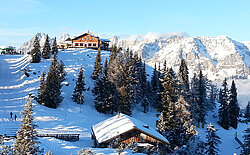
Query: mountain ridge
x=219 y=57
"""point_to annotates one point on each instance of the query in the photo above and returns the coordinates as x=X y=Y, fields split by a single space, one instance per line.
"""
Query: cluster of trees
x=49 y=92
x=121 y=83
x=229 y=108
x=37 y=53
x=182 y=104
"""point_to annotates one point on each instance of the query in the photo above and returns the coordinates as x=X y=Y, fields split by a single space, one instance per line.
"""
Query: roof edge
x=153 y=135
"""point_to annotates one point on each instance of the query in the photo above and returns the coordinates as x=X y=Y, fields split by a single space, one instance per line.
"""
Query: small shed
x=127 y=129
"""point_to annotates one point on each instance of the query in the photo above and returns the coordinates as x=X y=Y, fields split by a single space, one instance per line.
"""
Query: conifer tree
x=246 y=150
x=77 y=96
x=54 y=48
x=213 y=140
x=123 y=82
x=146 y=98
x=176 y=123
x=155 y=80
x=155 y=85
x=35 y=52
x=25 y=142
x=164 y=70
x=61 y=71
x=132 y=71
x=98 y=66
x=247 y=112
x=169 y=92
x=46 y=49
x=52 y=92
x=223 y=110
x=41 y=89
x=183 y=77
x=105 y=93
x=233 y=107
x=198 y=98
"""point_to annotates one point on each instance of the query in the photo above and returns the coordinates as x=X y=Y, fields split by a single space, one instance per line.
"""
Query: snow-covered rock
x=63 y=38
x=218 y=57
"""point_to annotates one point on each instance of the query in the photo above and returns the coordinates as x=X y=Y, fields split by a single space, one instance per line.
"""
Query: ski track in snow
x=70 y=117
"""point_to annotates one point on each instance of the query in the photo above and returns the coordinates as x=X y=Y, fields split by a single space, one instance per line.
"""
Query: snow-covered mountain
x=218 y=57
x=63 y=38
x=27 y=46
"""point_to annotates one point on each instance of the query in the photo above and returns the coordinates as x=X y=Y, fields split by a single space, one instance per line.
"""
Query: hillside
x=70 y=117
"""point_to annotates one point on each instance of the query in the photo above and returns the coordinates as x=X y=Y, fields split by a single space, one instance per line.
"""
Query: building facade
x=90 y=41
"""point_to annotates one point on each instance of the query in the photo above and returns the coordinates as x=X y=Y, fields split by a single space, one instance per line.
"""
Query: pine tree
x=146 y=101
x=41 y=89
x=61 y=71
x=131 y=70
x=105 y=93
x=223 y=110
x=155 y=85
x=233 y=107
x=176 y=123
x=77 y=96
x=35 y=52
x=98 y=66
x=169 y=93
x=247 y=113
x=54 y=48
x=52 y=92
x=213 y=140
x=46 y=49
x=198 y=98
x=25 y=142
x=183 y=77
x=246 y=144
x=123 y=83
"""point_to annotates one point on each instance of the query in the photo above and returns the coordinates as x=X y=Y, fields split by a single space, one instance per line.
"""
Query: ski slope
x=70 y=117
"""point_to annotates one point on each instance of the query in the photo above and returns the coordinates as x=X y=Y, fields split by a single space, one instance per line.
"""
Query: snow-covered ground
x=70 y=117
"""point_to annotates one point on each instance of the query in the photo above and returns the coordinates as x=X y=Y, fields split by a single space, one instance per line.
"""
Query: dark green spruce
x=79 y=89
x=35 y=52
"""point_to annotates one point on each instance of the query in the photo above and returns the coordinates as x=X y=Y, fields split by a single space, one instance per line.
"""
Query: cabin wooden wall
x=86 y=38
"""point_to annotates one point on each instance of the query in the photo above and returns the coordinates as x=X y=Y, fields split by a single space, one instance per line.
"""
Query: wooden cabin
x=125 y=129
x=87 y=40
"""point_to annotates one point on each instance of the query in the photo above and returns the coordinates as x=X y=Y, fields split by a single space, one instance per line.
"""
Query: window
x=89 y=44
x=76 y=44
x=85 y=38
x=89 y=38
x=81 y=44
x=94 y=44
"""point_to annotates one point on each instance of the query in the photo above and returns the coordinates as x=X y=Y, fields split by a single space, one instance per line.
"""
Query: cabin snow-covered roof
x=119 y=124
x=103 y=40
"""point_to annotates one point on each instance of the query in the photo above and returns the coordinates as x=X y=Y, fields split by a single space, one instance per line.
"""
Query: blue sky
x=21 y=19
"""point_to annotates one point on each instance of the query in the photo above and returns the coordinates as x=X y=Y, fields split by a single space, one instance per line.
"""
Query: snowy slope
x=70 y=117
